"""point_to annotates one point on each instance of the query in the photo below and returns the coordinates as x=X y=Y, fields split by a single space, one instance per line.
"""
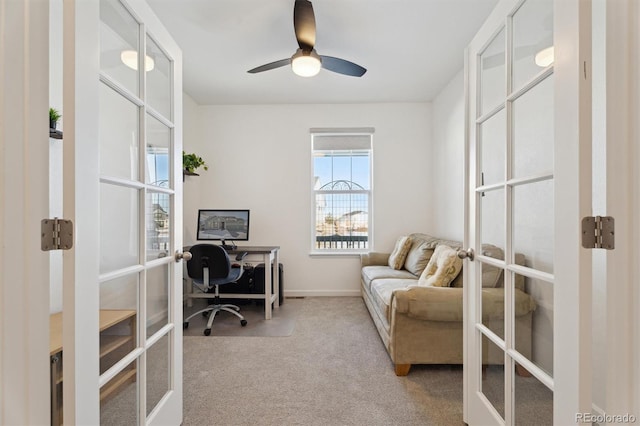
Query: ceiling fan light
x=306 y=64
x=545 y=57
x=130 y=59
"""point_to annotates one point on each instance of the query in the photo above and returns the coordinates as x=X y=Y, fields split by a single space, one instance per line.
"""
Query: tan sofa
x=423 y=325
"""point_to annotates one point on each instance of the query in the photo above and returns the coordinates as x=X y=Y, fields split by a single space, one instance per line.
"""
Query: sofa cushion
x=491 y=274
x=443 y=267
x=496 y=252
x=382 y=289
x=420 y=253
x=399 y=253
x=374 y=272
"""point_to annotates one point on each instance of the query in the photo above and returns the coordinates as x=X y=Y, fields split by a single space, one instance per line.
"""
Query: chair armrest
x=374 y=258
x=241 y=256
x=429 y=303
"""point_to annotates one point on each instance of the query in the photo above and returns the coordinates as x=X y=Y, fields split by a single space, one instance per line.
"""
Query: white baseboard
x=321 y=293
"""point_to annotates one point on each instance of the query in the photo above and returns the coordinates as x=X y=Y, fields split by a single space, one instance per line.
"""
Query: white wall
x=447 y=165
x=259 y=159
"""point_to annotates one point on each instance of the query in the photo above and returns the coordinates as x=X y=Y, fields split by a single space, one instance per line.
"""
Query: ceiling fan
x=306 y=62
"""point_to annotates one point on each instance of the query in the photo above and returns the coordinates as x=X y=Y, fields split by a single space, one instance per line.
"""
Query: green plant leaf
x=54 y=115
x=191 y=162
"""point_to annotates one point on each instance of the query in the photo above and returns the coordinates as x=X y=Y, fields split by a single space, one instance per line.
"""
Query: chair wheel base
x=185 y=325
x=243 y=323
x=207 y=331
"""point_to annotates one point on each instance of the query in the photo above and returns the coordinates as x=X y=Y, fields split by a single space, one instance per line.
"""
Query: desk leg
x=276 y=277
x=268 y=258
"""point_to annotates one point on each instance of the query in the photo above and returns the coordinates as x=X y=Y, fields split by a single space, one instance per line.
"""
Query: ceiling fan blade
x=342 y=66
x=270 y=66
x=304 y=24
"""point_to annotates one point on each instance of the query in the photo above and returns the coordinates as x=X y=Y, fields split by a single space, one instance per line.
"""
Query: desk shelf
x=109 y=344
x=112 y=348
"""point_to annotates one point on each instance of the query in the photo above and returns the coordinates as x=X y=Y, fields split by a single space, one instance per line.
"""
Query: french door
x=528 y=185
x=123 y=190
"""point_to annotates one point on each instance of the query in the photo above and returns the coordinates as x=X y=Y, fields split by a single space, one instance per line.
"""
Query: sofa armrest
x=445 y=303
x=374 y=258
x=429 y=303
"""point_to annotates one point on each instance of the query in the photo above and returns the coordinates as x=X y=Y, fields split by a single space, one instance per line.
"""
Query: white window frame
x=314 y=251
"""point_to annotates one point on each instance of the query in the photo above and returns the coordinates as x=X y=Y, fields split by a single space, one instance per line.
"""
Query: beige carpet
x=332 y=370
x=281 y=324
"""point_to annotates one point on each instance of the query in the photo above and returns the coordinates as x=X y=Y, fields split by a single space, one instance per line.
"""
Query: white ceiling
x=411 y=48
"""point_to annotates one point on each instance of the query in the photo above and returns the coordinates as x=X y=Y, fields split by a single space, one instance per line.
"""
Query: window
x=342 y=190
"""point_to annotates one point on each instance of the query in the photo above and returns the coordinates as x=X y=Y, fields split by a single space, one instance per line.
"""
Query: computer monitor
x=223 y=225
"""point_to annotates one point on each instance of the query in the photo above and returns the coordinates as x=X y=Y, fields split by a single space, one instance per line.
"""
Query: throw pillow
x=443 y=267
x=399 y=253
x=418 y=257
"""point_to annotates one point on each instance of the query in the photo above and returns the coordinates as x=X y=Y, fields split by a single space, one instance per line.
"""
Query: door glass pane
x=533 y=231
x=157 y=298
x=119 y=44
x=532 y=40
x=158 y=371
x=158 y=216
x=158 y=80
x=492 y=149
x=533 y=131
x=534 y=322
x=492 y=297
x=118 y=399
x=118 y=227
x=492 y=385
x=158 y=143
x=492 y=215
x=492 y=76
x=118 y=313
x=118 y=135
x=533 y=402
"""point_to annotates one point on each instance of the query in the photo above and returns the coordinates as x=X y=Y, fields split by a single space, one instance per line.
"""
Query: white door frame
x=81 y=67
x=622 y=202
x=24 y=201
x=572 y=325
x=635 y=147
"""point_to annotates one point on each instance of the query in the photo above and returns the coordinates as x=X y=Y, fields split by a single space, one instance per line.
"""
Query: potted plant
x=54 y=116
x=191 y=162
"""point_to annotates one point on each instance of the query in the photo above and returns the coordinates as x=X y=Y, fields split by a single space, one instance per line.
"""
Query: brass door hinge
x=56 y=234
x=598 y=232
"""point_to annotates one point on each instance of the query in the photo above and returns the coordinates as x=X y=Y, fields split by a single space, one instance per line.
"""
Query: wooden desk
x=108 y=318
x=112 y=347
x=269 y=256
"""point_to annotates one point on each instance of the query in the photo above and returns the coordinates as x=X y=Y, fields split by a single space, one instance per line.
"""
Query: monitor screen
x=228 y=225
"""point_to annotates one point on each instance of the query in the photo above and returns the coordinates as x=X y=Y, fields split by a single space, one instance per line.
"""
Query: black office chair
x=209 y=268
